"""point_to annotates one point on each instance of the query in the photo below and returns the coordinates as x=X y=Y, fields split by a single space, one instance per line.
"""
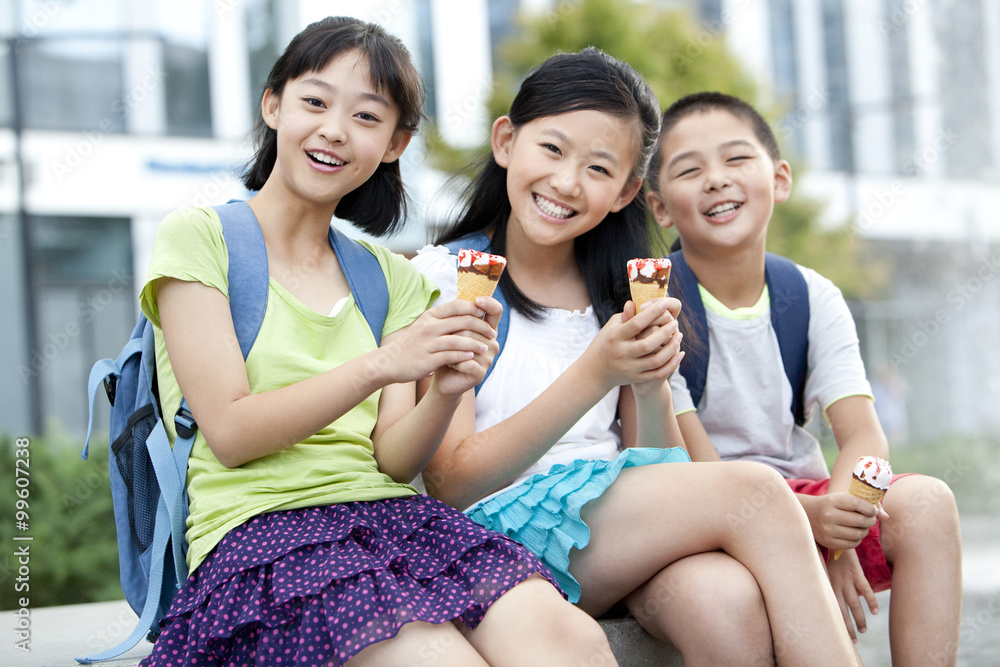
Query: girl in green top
x=307 y=544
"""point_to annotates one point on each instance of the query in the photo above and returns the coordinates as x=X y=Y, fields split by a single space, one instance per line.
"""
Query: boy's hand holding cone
x=869 y=482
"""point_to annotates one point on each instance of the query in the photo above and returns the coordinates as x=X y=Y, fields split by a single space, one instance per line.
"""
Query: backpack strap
x=480 y=242
x=161 y=536
x=365 y=278
x=694 y=365
x=790 y=319
x=789 y=296
x=248 y=275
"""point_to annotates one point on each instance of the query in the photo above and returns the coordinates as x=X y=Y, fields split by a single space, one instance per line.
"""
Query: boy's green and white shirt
x=746 y=404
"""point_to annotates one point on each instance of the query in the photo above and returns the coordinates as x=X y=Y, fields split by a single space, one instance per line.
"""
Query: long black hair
x=378 y=206
x=588 y=80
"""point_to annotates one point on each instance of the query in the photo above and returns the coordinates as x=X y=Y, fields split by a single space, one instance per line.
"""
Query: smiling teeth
x=327 y=159
x=552 y=209
x=722 y=209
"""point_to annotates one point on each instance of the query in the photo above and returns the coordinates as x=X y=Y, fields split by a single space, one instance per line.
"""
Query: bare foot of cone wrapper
x=478 y=273
x=648 y=279
x=869 y=482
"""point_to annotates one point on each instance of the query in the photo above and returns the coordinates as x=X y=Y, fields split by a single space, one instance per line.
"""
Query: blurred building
x=894 y=108
x=114 y=112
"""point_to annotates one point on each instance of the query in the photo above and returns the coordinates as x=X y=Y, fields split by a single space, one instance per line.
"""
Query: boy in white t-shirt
x=715 y=177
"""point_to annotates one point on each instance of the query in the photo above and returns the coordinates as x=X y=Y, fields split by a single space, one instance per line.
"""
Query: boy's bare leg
x=922 y=541
x=657 y=514
x=710 y=607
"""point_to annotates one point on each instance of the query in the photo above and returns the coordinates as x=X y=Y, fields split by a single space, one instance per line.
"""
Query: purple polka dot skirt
x=315 y=586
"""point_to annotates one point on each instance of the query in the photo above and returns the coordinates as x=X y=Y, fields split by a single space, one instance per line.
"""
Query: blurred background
x=114 y=112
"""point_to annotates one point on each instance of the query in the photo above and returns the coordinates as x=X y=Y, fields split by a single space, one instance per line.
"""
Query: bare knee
x=757 y=490
x=549 y=630
x=710 y=607
x=922 y=511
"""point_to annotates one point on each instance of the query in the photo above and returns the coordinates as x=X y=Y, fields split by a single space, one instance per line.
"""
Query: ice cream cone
x=869 y=482
x=648 y=279
x=643 y=292
x=478 y=273
x=865 y=491
x=474 y=285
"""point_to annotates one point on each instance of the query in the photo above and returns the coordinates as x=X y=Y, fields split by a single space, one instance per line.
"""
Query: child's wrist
x=378 y=366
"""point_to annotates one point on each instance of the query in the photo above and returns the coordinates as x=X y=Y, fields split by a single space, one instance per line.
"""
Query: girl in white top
x=582 y=376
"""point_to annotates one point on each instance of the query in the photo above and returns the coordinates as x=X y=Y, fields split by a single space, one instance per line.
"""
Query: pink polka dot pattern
x=317 y=585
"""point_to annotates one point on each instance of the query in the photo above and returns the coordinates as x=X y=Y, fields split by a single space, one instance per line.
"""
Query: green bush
x=73 y=550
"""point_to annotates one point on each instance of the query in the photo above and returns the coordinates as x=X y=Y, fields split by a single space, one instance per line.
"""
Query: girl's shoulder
x=190 y=228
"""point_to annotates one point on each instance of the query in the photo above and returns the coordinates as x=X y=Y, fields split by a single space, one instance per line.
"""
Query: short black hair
x=703 y=103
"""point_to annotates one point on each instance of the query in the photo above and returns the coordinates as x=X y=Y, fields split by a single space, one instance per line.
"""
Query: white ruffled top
x=534 y=355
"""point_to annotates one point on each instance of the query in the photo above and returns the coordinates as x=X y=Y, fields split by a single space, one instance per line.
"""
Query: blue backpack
x=480 y=242
x=789 y=317
x=148 y=477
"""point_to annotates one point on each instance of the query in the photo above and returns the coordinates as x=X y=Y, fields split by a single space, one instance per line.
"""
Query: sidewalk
x=58 y=634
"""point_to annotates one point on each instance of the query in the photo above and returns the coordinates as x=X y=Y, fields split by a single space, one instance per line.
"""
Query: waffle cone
x=860 y=489
x=865 y=491
x=643 y=292
x=472 y=285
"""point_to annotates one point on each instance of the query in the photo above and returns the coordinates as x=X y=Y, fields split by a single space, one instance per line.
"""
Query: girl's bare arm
x=240 y=426
x=470 y=465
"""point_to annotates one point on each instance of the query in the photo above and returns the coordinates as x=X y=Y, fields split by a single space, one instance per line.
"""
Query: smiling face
x=333 y=129
x=565 y=173
x=717 y=184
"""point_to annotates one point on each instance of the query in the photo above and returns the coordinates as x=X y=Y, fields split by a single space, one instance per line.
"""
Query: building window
x=188 y=97
x=841 y=109
x=903 y=102
x=85 y=307
x=783 y=55
x=72 y=84
x=6 y=87
x=964 y=89
x=263 y=43
x=81 y=84
x=425 y=55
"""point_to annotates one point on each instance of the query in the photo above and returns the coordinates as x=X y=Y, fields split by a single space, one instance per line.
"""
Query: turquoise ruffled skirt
x=543 y=512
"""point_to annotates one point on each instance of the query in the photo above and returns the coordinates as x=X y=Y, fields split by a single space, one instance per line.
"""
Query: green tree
x=678 y=56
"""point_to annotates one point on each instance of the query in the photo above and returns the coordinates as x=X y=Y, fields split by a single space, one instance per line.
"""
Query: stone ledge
x=58 y=634
x=634 y=647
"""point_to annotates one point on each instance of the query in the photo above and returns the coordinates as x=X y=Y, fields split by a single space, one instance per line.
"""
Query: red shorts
x=877 y=571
